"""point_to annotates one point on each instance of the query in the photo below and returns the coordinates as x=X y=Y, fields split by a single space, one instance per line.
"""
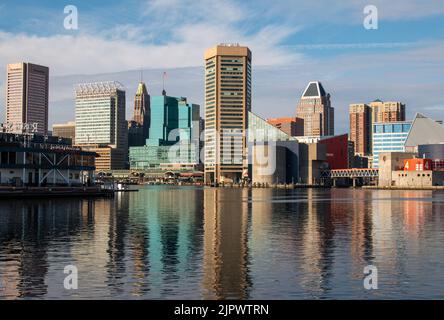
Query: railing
x=350 y=173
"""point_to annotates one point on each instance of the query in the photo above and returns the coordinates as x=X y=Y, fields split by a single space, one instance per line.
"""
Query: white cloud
x=346 y=11
x=187 y=27
x=66 y=54
x=195 y=10
x=129 y=32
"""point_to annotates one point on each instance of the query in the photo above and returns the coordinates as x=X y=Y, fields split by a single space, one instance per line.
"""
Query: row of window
x=392 y=128
x=418 y=175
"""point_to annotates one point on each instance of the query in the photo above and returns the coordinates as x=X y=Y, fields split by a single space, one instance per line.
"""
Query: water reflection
x=225 y=263
x=167 y=242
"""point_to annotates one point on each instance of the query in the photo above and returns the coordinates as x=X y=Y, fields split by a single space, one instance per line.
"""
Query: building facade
x=108 y=158
x=335 y=148
x=136 y=135
x=174 y=135
x=390 y=111
x=100 y=121
x=405 y=136
x=312 y=157
x=389 y=137
x=34 y=160
x=227 y=103
x=360 y=128
x=292 y=126
x=273 y=155
x=316 y=111
x=27 y=95
x=337 y=151
x=404 y=169
x=138 y=127
x=65 y=130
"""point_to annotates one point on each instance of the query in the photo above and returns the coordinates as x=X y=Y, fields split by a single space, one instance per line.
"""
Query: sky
x=293 y=42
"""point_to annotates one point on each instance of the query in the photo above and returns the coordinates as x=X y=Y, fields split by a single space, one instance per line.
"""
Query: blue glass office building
x=389 y=137
x=172 y=119
x=173 y=122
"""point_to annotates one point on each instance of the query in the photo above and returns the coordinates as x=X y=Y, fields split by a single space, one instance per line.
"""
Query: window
x=379 y=129
x=397 y=128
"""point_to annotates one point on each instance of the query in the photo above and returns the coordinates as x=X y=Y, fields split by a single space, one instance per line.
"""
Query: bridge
x=350 y=173
x=366 y=175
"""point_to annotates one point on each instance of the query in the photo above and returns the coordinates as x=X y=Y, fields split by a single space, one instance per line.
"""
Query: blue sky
x=293 y=42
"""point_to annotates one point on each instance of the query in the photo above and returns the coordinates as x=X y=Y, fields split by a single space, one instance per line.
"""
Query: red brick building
x=337 y=151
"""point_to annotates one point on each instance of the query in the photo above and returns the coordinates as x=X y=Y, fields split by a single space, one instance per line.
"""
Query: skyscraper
x=142 y=112
x=315 y=108
x=174 y=135
x=27 y=90
x=174 y=119
x=227 y=102
x=389 y=137
x=389 y=111
x=360 y=128
x=139 y=126
x=100 y=123
x=378 y=112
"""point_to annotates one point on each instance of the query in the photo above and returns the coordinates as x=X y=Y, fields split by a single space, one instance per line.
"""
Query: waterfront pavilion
x=34 y=160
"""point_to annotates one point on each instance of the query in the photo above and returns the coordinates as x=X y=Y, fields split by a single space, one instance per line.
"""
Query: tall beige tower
x=27 y=91
x=227 y=103
x=315 y=108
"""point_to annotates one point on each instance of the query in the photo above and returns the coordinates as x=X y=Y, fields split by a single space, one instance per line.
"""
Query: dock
x=54 y=192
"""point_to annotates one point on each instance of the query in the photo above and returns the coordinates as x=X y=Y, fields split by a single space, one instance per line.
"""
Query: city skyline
x=245 y=152
x=348 y=59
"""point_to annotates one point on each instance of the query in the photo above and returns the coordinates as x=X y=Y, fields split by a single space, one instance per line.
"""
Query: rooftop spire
x=314 y=89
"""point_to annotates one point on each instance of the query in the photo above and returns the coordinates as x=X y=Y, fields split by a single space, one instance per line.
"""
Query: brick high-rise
x=316 y=111
x=360 y=126
x=388 y=111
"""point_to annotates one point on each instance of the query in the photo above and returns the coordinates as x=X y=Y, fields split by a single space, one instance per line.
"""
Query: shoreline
x=289 y=186
x=403 y=188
